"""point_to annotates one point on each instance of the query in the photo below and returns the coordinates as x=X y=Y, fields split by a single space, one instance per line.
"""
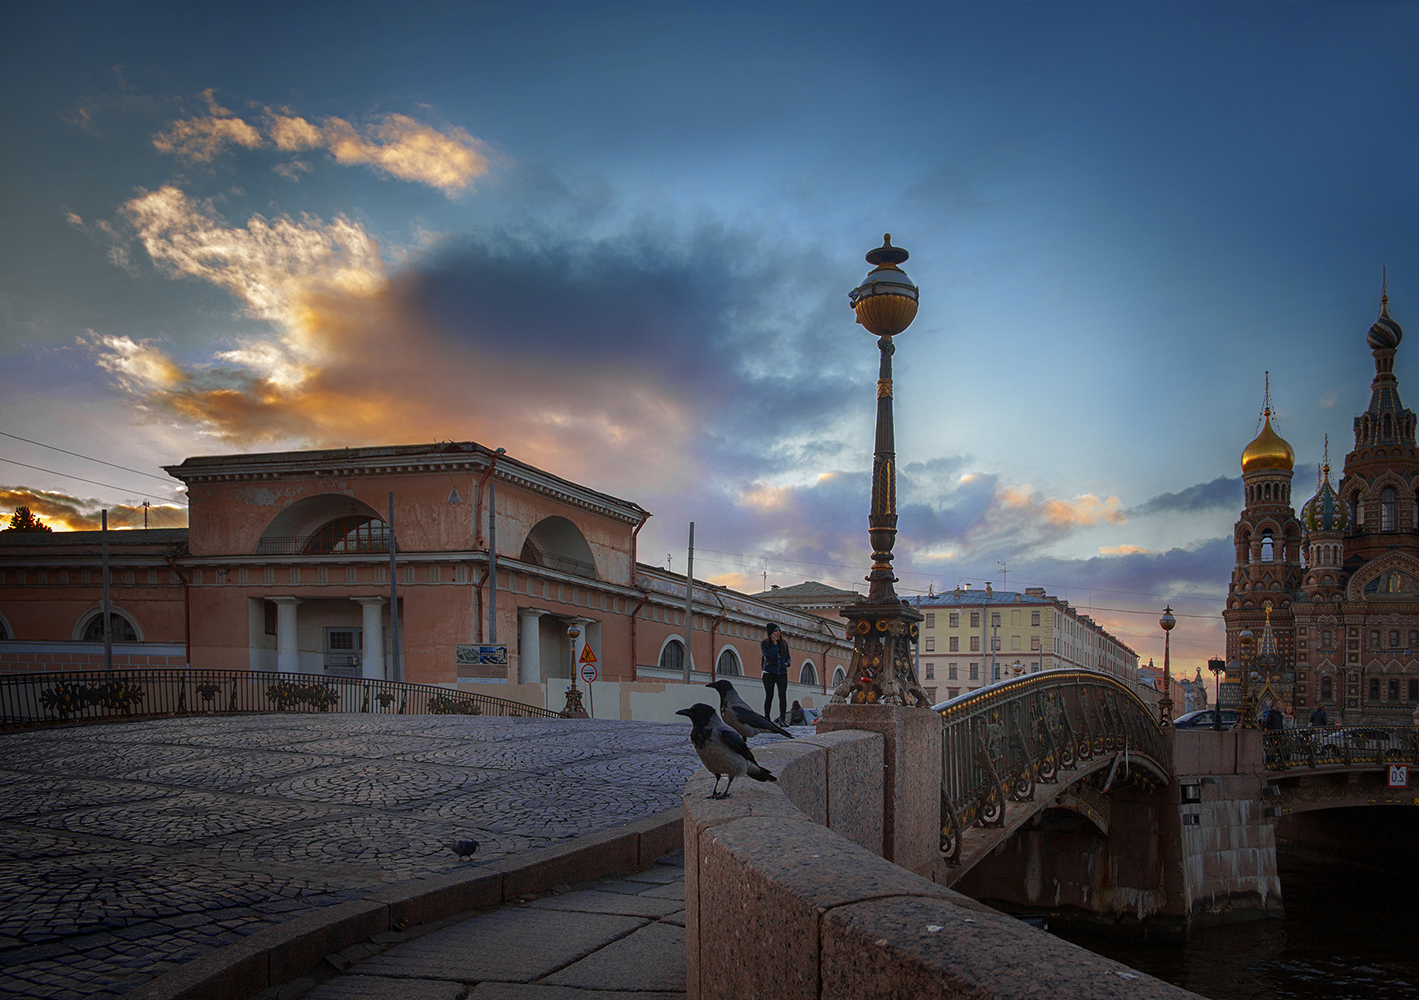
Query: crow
x=739 y=716
x=463 y=848
x=721 y=749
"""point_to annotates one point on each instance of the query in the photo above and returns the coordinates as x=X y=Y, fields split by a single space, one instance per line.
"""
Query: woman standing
x=776 y=659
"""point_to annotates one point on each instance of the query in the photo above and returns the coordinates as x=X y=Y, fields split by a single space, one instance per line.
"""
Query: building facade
x=973 y=638
x=1330 y=598
x=286 y=566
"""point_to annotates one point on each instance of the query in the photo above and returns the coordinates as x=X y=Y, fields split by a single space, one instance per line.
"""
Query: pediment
x=1393 y=576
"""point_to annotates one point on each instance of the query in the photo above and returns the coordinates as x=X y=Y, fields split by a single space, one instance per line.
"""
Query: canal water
x=1350 y=933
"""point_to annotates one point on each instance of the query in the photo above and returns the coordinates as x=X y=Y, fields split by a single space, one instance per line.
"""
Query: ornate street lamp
x=1217 y=666
x=1165 y=707
x=574 y=707
x=1246 y=718
x=883 y=628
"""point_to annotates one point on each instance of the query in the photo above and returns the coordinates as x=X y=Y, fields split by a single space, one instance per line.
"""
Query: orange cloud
x=1083 y=511
x=64 y=512
x=1123 y=550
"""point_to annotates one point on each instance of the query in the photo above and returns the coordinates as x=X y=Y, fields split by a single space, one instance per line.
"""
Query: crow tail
x=759 y=773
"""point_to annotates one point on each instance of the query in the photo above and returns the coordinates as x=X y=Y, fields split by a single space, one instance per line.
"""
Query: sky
x=617 y=240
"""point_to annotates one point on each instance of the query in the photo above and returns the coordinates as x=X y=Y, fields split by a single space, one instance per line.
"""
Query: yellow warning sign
x=587 y=656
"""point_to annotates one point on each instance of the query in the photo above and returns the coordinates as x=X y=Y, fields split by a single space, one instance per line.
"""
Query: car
x=1204 y=719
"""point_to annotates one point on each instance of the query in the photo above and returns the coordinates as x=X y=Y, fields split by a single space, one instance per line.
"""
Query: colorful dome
x=1325 y=511
x=1386 y=334
x=1268 y=450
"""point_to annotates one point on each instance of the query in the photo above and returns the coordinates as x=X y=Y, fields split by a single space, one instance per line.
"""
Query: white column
x=288 y=653
x=529 y=655
x=372 y=662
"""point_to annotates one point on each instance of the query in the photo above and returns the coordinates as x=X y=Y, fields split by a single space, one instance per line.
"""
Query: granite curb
x=284 y=951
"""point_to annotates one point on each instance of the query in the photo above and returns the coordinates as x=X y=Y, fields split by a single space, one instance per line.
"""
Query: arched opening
x=672 y=655
x=1387 y=507
x=327 y=523
x=808 y=675
x=121 y=628
x=839 y=675
x=557 y=544
x=1267 y=546
x=728 y=663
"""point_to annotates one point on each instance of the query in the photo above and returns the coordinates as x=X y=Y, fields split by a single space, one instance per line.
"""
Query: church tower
x=1324 y=520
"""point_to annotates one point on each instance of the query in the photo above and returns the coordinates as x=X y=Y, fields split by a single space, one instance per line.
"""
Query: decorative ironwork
x=999 y=744
x=1339 y=746
x=90 y=696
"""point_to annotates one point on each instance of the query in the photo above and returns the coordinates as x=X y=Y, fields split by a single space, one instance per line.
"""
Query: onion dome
x=1386 y=334
x=1325 y=511
x=1269 y=450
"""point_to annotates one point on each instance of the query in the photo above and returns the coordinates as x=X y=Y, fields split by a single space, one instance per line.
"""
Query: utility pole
x=107 y=611
x=689 y=600
x=394 y=664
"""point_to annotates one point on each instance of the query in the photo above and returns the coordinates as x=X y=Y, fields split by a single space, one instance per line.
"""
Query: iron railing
x=97 y=695
x=998 y=743
x=1339 y=746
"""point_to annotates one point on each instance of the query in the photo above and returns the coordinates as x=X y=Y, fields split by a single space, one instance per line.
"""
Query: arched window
x=1394 y=638
x=808 y=675
x=1325 y=689
x=728 y=664
x=839 y=675
x=672 y=655
x=120 y=629
x=355 y=533
x=1387 y=509
x=1267 y=546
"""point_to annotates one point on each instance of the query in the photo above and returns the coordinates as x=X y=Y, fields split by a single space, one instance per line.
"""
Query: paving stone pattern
x=621 y=937
x=126 y=849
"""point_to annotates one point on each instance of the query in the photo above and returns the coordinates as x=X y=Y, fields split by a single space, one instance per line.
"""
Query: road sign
x=1399 y=776
x=588 y=671
x=587 y=655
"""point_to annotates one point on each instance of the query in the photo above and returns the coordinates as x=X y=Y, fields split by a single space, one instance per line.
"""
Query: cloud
x=1221 y=492
x=64 y=512
x=449 y=159
x=1123 y=550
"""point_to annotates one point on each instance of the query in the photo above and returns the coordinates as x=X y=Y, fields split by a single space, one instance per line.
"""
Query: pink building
x=285 y=566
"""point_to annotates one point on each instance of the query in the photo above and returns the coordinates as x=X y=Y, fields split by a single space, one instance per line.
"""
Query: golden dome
x=1269 y=450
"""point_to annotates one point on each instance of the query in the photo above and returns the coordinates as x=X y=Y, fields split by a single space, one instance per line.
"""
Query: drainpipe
x=186 y=609
x=478 y=543
x=644 y=591
x=714 y=627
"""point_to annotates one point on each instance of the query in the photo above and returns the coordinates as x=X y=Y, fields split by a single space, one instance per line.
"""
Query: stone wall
x=788 y=895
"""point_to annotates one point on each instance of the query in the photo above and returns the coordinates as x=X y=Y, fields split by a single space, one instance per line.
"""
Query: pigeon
x=463 y=848
x=739 y=716
x=721 y=749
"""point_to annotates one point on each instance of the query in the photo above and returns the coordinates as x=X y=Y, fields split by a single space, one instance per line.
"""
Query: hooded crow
x=739 y=716
x=721 y=749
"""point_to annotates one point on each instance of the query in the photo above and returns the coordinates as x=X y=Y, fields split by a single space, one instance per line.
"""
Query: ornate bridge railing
x=91 y=696
x=998 y=743
x=1339 y=746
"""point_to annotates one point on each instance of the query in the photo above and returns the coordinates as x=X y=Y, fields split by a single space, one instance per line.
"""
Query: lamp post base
x=574 y=709
x=882 y=672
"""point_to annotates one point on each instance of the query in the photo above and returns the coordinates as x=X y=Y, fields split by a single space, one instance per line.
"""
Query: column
x=288 y=652
x=372 y=662
x=529 y=653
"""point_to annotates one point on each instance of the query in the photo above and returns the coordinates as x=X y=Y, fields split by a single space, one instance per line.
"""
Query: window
x=1413 y=638
x=672 y=656
x=1267 y=546
x=727 y=665
x=839 y=675
x=995 y=643
x=1413 y=689
x=1374 y=689
x=1325 y=689
x=1014 y=642
x=995 y=619
x=954 y=644
x=975 y=644
x=1324 y=639
x=930 y=645
x=951 y=672
x=1387 y=509
x=975 y=671
x=930 y=671
x=1035 y=618
x=975 y=619
x=1394 y=689
x=954 y=620
x=931 y=619
x=269 y=610
x=120 y=629
x=953 y=692
x=995 y=672
x=1035 y=643
x=1393 y=637
x=1374 y=637
x=808 y=675
x=356 y=533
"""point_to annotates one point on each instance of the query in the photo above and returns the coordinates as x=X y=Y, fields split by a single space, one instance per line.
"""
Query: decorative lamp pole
x=883 y=628
x=1165 y=707
x=574 y=707
x=1217 y=666
x=1246 y=719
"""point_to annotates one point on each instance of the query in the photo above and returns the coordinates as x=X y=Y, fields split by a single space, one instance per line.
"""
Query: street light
x=883 y=629
x=1217 y=666
x=1165 y=707
x=574 y=707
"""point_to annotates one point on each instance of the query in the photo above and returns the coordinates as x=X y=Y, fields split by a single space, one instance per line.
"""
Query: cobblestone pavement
x=126 y=849
x=620 y=937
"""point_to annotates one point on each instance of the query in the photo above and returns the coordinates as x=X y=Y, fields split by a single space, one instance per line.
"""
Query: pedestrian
x=1318 y=716
x=776 y=659
x=796 y=716
x=1274 y=721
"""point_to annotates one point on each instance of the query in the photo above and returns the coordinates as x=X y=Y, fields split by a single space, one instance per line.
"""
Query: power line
x=92 y=482
x=87 y=458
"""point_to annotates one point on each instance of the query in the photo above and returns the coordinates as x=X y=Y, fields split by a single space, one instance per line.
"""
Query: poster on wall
x=482 y=655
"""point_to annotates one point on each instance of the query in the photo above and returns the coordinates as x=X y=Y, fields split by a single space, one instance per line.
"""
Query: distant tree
x=24 y=520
